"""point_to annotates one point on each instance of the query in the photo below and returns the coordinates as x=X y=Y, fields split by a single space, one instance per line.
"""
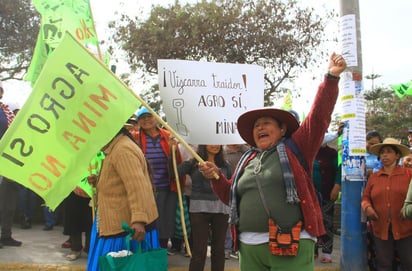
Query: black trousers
x=76 y=239
x=8 y=201
x=385 y=251
x=207 y=226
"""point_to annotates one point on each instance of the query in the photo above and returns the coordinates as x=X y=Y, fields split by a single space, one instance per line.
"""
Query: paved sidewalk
x=41 y=250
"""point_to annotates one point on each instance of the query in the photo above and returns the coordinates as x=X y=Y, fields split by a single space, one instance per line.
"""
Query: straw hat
x=247 y=120
x=375 y=149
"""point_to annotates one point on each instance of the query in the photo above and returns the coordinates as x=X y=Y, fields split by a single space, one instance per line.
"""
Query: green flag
x=94 y=168
x=403 y=89
x=76 y=107
x=287 y=101
x=38 y=60
x=59 y=16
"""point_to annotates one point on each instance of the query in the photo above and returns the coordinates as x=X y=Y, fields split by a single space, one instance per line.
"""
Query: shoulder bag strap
x=262 y=196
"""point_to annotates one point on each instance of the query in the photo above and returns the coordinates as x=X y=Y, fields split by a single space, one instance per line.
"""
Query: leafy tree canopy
x=19 y=24
x=388 y=114
x=281 y=36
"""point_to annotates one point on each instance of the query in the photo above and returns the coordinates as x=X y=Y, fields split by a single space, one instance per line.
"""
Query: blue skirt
x=100 y=246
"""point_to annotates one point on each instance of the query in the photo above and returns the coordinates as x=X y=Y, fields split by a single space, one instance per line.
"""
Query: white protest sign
x=202 y=100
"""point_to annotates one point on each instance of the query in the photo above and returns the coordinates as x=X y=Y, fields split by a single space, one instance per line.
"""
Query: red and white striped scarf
x=8 y=112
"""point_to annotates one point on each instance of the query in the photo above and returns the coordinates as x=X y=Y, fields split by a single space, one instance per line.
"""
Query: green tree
x=281 y=36
x=388 y=114
x=152 y=98
x=19 y=24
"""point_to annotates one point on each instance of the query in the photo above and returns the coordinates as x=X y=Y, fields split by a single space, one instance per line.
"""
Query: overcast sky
x=386 y=40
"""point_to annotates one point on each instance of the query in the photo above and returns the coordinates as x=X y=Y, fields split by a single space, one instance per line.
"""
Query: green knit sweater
x=272 y=183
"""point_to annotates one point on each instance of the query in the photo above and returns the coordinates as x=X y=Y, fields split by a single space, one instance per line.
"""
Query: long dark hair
x=219 y=157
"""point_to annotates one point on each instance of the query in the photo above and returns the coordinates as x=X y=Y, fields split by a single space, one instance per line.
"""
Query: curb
x=40 y=267
x=71 y=267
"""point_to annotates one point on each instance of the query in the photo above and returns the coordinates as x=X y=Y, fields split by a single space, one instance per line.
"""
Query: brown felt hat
x=247 y=120
x=375 y=149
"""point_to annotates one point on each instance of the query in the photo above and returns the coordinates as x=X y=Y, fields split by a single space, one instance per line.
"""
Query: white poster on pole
x=349 y=39
x=353 y=105
x=202 y=100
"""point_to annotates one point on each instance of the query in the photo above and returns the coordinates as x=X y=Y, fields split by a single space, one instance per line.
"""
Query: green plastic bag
x=150 y=260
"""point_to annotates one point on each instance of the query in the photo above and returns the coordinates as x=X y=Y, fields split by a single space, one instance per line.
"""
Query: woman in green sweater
x=273 y=181
x=407 y=206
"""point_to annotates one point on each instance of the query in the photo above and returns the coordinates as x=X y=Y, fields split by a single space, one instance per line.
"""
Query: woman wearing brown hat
x=382 y=201
x=273 y=181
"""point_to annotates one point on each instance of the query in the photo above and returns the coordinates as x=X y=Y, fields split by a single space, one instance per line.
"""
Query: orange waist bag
x=284 y=242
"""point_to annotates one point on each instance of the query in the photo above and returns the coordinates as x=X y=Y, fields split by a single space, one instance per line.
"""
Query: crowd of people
x=243 y=200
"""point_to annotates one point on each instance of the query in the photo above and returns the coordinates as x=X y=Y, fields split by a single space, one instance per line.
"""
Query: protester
x=155 y=143
x=410 y=139
x=124 y=194
x=407 y=161
x=232 y=153
x=178 y=239
x=77 y=220
x=27 y=203
x=131 y=125
x=271 y=182
x=207 y=213
x=372 y=162
x=8 y=188
x=27 y=200
x=325 y=172
x=382 y=201
x=407 y=206
x=50 y=218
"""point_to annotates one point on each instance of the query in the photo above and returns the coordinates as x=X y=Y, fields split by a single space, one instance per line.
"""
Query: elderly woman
x=382 y=201
x=124 y=194
x=273 y=180
x=157 y=148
